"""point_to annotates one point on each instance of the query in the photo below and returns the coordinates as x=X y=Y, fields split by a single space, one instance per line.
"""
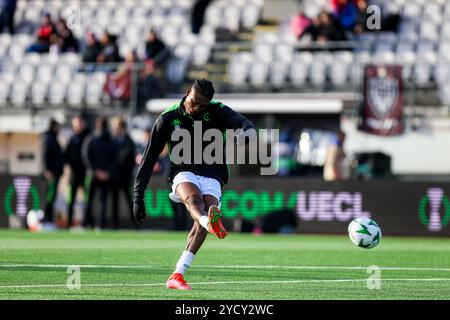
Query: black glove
x=139 y=211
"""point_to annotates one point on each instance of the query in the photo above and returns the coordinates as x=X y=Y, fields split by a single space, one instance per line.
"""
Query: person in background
x=99 y=154
x=73 y=154
x=198 y=15
x=361 y=18
x=53 y=161
x=299 y=24
x=7 y=11
x=125 y=163
x=155 y=49
x=44 y=35
x=64 y=37
x=118 y=84
x=347 y=14
x=92 y=49
x=334 y=167
x=285 y=149
x=313 y=28
x=110 y=50
x=323 y=28
x=328 y=29
x=140 y=146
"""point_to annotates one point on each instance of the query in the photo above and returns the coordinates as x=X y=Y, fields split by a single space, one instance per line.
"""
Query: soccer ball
x=364 y=233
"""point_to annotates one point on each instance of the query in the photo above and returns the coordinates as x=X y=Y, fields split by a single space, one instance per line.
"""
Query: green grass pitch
x=135 y=265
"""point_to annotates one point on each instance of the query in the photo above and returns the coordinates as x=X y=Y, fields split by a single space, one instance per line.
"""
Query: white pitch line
x=324 y=267
x=101 y=266
x=219 y=283
x=88 y=266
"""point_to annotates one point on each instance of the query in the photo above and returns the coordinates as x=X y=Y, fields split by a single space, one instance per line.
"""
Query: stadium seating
x=131 y=20
x=421 y=46
x=277 y=59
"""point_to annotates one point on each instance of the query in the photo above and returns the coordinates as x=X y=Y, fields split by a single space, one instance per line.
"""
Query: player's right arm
x=149 y=157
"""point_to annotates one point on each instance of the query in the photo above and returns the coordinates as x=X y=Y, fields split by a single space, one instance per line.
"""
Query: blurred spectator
x=44 y=35
x=299 y=24
x=118 y=84
x=285 y=150
x=64 y=38
x=156 y=51
x=163 y=163
x=347 y=14
x=337 y=5
x=99 y=153
x=324 y=28
x=140 y=146
x=198 y=15
x=110 y=50
x=361 y=18
x=334 y=167
x=122 y=179
x=53 y=160
x=92 y=49
x=7 y=11
x=313 y=28
x=74 y=159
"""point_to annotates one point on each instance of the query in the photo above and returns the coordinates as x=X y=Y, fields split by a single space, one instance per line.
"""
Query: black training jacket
x=53 y=156
x=74 y=156
x=217 y=116
x=100 y=153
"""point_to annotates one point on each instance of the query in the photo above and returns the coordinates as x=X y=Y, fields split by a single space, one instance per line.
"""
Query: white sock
x=204 y=222
x=185 y=262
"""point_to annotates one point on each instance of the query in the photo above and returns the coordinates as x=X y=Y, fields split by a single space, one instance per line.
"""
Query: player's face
x=195 y=103
x=77 y=125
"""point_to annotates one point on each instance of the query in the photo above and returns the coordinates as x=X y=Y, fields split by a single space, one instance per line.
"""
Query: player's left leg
x=195 y=240
x=191 y=196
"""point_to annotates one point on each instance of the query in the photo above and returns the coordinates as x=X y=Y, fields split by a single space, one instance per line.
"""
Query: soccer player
x=197 y=186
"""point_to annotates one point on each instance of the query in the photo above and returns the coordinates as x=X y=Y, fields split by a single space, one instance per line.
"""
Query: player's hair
x=101 y=123
x=204 y=87
x=119 y=121
x=122 y=123
x=82 y=116
x=52 y=124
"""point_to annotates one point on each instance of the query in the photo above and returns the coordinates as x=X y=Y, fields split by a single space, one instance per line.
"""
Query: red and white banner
x=382 y=111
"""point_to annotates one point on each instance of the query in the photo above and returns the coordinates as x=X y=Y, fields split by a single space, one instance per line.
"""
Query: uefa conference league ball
x=364 y=233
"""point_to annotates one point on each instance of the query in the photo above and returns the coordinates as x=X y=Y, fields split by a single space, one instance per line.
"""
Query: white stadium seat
x=317 y=73
x=38 y=93
x=201 y=54
x=338 y=73
x=19 y=92
x=298 y=73
x=56 y=93
x=44 y=73
x=4 y=92
x=258 y=73
x=278 y=73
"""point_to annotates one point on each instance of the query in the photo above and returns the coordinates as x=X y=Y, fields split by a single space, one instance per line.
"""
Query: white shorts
x=206 y=185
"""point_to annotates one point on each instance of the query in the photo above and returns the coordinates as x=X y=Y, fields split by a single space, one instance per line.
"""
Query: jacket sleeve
x=234 y=120
x=68 y=153
x=149 y=157
x=47 y=153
